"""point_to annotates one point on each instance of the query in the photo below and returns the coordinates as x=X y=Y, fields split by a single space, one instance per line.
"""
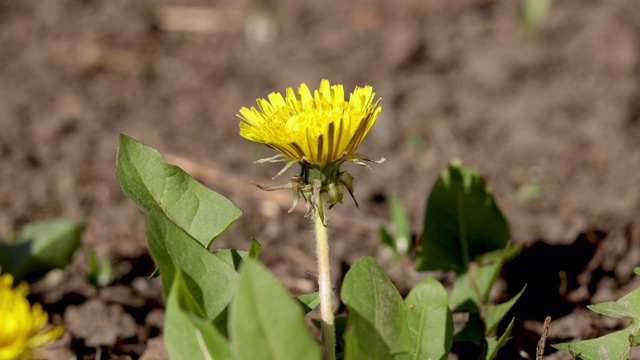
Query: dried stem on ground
x=543 y=338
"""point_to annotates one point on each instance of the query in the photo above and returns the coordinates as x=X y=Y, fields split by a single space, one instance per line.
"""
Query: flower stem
x=324 y=284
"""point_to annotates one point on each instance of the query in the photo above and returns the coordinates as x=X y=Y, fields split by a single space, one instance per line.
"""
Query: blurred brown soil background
x=550 y=118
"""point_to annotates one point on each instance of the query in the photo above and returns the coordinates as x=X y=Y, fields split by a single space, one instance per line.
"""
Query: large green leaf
x=211 y=280
x=429 y=319
x=377 y=323
x=186 y=335
x=41 y=246
x=461 y=222
x=265 y=322
x=150 y=182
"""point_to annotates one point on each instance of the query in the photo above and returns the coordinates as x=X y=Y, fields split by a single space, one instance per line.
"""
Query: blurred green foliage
x=40 y=247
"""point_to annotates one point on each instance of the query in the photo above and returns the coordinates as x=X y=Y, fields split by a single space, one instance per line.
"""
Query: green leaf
x=462 y=221
x=627 y=306
x=265 y=321
x=506 y=254
x=429 y=319
x=100 y=271
x=309 y=301
x=400 y=218
x=614 y=346
x=471 y=290
x=150 y=182
x=402 y=227
x=40 y=247
x=534 y=13
x=471 y=293
x=387 y=239
x=495 y=313
x=377 y=323
x=494 y=345
x=186 y=335
x=400 y=241
x=211 y=280
x=255 y=248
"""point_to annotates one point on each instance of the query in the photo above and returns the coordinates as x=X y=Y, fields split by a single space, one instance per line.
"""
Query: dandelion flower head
x=314 y=128
x=22 y=326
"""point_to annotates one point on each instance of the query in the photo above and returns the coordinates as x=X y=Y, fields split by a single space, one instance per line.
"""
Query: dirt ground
x=550 y=118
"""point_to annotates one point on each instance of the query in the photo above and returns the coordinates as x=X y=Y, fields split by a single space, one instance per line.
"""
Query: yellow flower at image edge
x=319 y=131
x=22 y=326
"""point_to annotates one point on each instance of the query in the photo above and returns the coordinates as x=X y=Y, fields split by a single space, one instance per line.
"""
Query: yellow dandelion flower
x=22 y=326
x=319 y=131
x=316 y=129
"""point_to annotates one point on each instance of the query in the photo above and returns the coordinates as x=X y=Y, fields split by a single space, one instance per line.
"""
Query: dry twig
x=543 y=338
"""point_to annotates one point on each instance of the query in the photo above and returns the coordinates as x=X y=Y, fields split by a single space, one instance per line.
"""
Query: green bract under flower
x=21 y=325
x=319 y=131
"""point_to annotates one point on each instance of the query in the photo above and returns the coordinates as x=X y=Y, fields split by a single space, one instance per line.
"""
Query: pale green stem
x=324 y=285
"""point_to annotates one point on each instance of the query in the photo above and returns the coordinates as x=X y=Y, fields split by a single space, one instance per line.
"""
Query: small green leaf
x=429 y=319
x=150 y=182
x=494 y=345
x=100 y=271
x=400 y=241
x=186 y=335
x=211 y=280
x=387 y=239
x=265 y=321
x=255 y=248
x=309 y=301
x=495 y=313
x=462 y=221
x=402 y=227
x=534 y=13
x=377 y=323
x=40 y=247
